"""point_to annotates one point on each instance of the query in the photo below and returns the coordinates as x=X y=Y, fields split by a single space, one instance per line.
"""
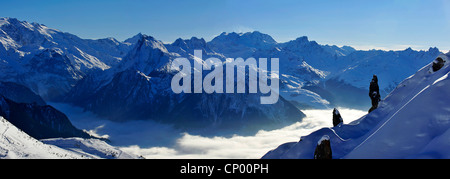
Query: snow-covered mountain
x=318 y=56
x=49 y=61
x=241 y=44
x=140 y=87
x=323 y=76
x=16 y=144
x=296 y=71
x=413 y=121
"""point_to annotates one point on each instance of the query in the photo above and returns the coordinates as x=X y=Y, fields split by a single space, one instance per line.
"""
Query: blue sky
x=364 y=24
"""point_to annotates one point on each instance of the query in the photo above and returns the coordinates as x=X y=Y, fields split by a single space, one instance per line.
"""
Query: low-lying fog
x=154 y=140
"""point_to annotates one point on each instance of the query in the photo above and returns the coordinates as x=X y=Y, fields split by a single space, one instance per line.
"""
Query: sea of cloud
x=153 y=140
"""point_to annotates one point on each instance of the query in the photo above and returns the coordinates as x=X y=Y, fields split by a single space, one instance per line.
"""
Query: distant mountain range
x=130 y=80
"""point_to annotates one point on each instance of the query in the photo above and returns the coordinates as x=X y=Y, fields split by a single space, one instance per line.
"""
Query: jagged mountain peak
x=185 y=47
x=301 y=42
x=194 y=42
x=252 y=39
x=12 y=21
x=20 y=34
x=151 y=42
x=17 y=27
x=433 y=50
x=109 y=40
x=241 y=44
x=302 y=39
x=134 y=39
x=148 y=54
x=260 y=36
x=141 y=38
x=179 y=42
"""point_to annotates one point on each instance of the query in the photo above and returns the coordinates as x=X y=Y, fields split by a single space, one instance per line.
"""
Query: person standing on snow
x=337 y=119
x=374 y=93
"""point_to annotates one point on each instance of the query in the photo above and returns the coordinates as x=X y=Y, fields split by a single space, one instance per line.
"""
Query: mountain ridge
x=401 y=127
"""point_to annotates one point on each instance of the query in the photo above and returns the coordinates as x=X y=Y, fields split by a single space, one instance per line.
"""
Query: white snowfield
x=413 y=121
x=16 y=144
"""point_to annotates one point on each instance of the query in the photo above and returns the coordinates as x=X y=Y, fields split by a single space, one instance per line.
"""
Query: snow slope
x=413 y=121
x=16 y=144
x=90 y=148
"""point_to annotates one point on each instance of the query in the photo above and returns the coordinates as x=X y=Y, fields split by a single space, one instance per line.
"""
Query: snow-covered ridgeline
x=412 y=122
x=16 y=144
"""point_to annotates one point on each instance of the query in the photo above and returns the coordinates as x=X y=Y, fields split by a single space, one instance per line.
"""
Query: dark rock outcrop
x=438 y=64
x=323 y=148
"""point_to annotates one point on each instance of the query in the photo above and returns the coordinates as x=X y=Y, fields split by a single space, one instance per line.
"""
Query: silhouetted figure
x=323 y=148
x=438 y=64
x=337 y=119
x=374 y=93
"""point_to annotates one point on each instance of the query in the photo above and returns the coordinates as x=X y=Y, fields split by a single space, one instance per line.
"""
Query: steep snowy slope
x=15 y=144
x=412 y=122
x=89 y=148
